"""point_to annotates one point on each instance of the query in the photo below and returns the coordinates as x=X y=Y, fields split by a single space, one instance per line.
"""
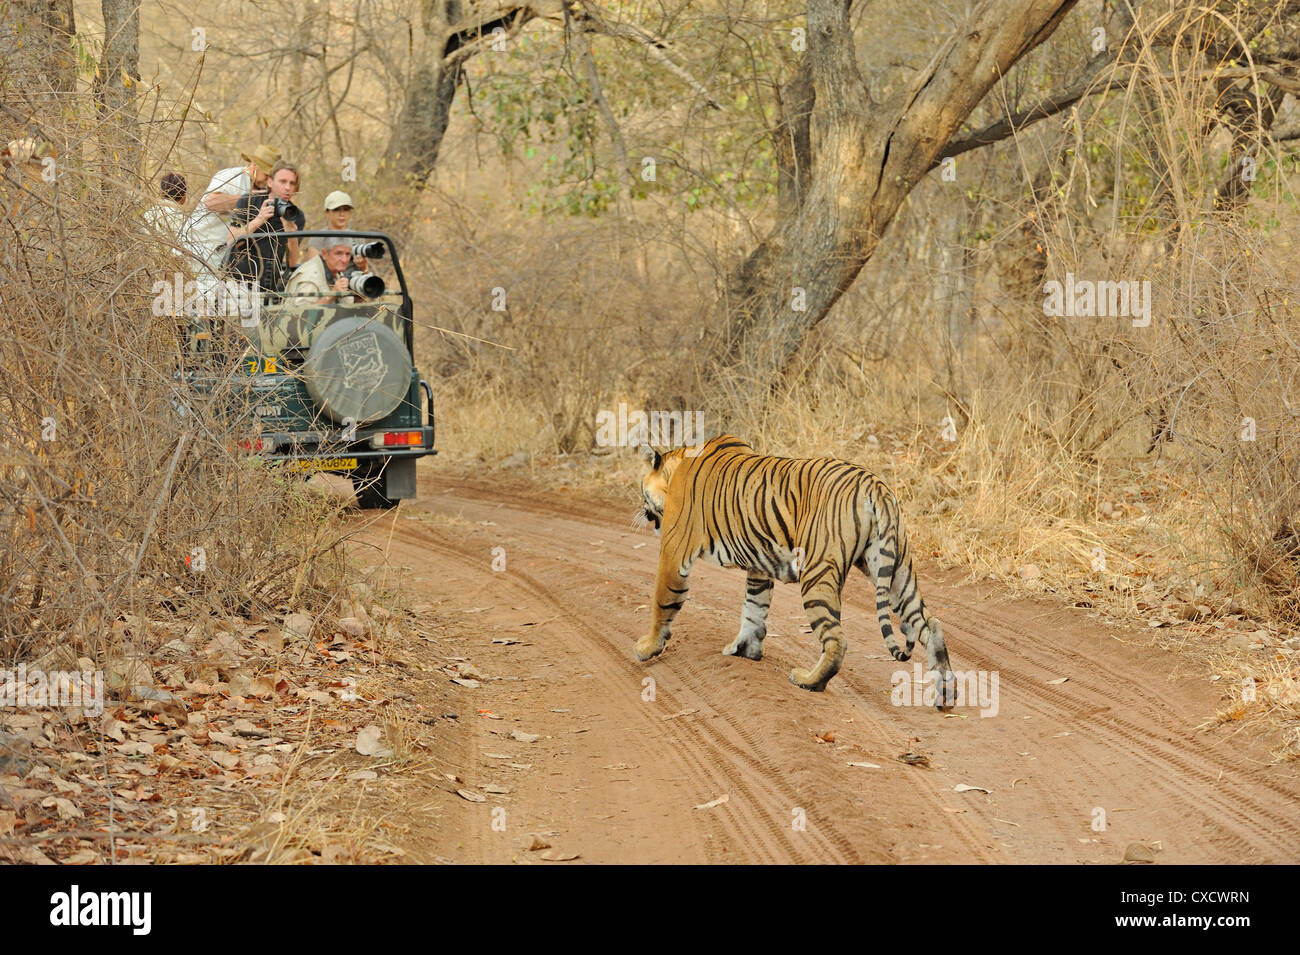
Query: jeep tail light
x=398 y=439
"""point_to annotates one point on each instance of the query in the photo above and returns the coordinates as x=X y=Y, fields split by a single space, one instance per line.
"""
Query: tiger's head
x=654 y=486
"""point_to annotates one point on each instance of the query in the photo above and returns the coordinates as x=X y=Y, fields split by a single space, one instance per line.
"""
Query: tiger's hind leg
x=821 y=599
x=753 y=619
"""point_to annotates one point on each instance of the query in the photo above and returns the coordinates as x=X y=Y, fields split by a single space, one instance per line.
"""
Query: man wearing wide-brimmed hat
x=206 y=230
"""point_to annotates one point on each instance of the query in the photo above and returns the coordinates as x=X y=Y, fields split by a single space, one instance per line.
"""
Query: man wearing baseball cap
x=206 y=231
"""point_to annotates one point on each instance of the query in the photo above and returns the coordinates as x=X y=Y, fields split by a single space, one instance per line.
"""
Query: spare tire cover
x=357 y=368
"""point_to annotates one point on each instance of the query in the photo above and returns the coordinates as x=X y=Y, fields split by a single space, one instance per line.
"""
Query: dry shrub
x=121 y=491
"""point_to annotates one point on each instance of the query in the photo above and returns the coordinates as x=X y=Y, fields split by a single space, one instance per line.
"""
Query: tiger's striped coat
x=805 y=521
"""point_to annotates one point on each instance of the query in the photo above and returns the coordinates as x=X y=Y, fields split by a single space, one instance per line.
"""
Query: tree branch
x=1063 y=100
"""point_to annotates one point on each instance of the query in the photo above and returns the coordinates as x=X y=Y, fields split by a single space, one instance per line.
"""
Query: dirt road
x=622 y=767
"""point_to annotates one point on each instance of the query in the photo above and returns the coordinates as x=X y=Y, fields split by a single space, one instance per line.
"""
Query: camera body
x=283 y=207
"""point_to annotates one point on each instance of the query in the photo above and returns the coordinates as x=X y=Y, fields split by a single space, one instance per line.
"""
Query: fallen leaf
x=66 y=809
x=715 y=802
x=1058 y=682
x=865 y=765
x=963 y=788
x=368 y=742
x=827 y=737
x=223 y=759
x=533 y=842
x=555 y=855
x=245 y=728
x=362 y=776
x=472 y=797
x=1138 y=854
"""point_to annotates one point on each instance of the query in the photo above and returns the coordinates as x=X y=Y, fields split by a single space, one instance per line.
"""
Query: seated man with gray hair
x=321 y=279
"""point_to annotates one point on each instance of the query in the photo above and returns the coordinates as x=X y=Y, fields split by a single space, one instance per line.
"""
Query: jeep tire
x=379 y=484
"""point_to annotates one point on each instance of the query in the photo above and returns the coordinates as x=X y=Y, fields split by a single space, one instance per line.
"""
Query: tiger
x=798 y=521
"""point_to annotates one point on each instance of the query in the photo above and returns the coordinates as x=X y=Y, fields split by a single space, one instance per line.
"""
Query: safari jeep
x=328 y=387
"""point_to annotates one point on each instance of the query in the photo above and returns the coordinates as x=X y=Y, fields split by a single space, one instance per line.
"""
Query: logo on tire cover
x=363 y=361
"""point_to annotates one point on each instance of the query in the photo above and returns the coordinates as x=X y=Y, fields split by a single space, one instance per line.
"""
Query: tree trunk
x=36 y=51
x=864 y=160
x=119 y=75
x=447 y=26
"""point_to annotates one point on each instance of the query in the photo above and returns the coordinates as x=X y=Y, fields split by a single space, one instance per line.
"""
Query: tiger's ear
x=651 y=456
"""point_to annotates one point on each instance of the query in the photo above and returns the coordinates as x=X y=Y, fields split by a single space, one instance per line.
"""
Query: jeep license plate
x=323 y=464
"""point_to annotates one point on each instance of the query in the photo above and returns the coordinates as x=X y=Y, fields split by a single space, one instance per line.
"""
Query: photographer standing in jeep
x=267 y=261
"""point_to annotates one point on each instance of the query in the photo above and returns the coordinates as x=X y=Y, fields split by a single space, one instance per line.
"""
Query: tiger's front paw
x=649 y=646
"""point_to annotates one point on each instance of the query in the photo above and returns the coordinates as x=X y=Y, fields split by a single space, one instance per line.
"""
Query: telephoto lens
x=284 y=208
x=367 y=284
x=368 y=250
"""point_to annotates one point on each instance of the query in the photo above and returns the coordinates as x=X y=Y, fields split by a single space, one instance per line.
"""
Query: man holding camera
x=206 y=231
x=268 y=260
x=332 y=276
x=321 y=280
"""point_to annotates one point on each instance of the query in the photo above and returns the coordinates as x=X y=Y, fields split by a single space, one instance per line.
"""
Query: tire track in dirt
x=1179 y=772
x=752 y=736
x=751 y=748
x=755 y=802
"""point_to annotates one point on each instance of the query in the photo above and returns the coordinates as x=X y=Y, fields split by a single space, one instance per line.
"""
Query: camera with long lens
x=366 y=284
x=368 y=250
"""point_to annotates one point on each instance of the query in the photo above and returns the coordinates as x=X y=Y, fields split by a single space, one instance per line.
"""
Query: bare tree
x=454 y=30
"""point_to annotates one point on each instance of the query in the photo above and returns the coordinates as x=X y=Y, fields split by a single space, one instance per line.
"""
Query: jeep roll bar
x=353 y=236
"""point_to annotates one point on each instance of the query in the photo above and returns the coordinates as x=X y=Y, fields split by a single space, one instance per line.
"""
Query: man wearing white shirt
x=206 y=231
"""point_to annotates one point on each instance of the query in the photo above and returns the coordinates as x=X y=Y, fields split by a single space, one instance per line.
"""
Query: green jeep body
x=289 y=365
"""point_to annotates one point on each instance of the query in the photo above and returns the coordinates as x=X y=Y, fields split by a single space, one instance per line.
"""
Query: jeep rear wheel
x=369 y=496
x=370 y=487
x=379 y=485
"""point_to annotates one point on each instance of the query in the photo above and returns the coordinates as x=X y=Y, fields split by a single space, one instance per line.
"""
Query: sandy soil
x=622 y=769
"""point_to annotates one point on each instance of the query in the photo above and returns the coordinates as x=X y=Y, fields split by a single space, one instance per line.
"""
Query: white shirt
x=205 y=232
x=168 y=220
